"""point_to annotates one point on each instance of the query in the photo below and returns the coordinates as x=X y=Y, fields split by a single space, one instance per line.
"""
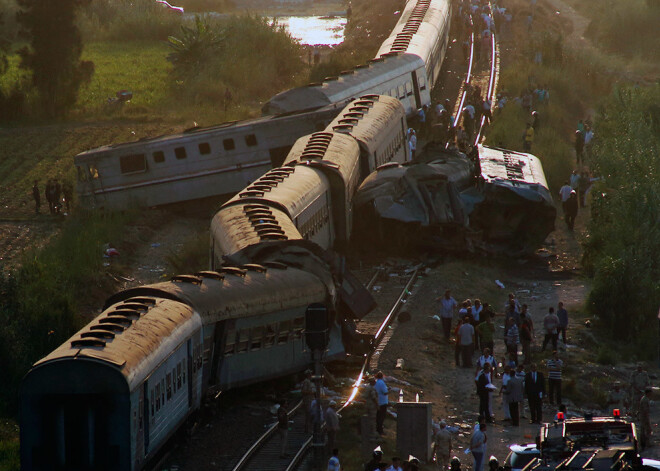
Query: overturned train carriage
x=110 y=397
x=499 y=203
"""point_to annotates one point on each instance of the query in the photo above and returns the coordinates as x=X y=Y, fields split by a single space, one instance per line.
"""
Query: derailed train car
x=499 y=203
x=111 y=396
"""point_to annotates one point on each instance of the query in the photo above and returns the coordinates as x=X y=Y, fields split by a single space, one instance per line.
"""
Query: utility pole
x=316 y=338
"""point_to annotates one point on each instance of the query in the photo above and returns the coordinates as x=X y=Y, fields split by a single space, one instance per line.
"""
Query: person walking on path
x=555 y=366
x=645 y=418
x=504 y=391
x=528 y=138
x=484 y=386
x=564 y=194
x=511 y=337
x=382 y=390
x=331 y=424
x=515 y=387
x=478 y=447
x=562 y=315
x=37 y=196
x=283 y=428
x=639 y=381
x=442 y=446
x=447 y=307
x=526 y=335
x=466 y=339
x=571 y=210
x=486 y=329
x=535 y=390
x=412 y=144
x=551 y=327
x=307 y=391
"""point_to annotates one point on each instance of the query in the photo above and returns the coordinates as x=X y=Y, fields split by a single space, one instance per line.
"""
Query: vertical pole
x=317 y=440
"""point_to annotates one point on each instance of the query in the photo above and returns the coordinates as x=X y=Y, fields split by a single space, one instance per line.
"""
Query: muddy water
x=314 y=30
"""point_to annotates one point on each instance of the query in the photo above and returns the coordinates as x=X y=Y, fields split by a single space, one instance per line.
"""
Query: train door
x=418 y=99
x=143 y=427
x=191 y=377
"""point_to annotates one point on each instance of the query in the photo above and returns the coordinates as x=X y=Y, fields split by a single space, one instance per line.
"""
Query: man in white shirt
x=412 y=144
x=466 y=339
x=565 y=193
x=447 y=306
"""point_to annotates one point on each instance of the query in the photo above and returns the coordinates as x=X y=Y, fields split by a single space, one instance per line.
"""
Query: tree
x=53 y=54
x=195 y=47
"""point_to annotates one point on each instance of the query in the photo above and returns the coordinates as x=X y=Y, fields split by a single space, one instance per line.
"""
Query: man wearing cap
x=307 y=391
x=639 y=381
x=376 y=458
x=442 y=446
x=331 y=424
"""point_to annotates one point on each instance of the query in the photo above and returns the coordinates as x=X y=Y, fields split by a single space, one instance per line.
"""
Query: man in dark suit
x=484 y=380
x=535 y=391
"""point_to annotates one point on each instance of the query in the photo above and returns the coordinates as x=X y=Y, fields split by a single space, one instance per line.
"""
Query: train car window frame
x=168 y=387
x=152 y=404
x=243 y=341
x=409 y=89
x=204 y=148
x=256 y=337
x=228 y=144
x=180 y=153
x=157 y=389
x=178 y=375
x=183 y=371
x=158 y=156
x=402 y=92
x=393 y=93
x=251 y=140
x=132 y=163
x=174 y=381
x=283 y=332
x=162 y=391
x=421 y=80
x=269 y=335
x=230 y=342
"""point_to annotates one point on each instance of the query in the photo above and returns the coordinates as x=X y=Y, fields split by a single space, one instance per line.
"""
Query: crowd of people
x=58 y=195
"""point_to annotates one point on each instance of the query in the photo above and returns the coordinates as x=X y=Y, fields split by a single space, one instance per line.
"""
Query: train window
x=228 y=144
x=422 y=82
x=132 y=163
x=152 y=403
x=269 y=335
x=393 y=93
x=204 y=148
x=158 y=156
x=162 y=392
x=183 y=371
x=230 y=342
x=251 y=140
x=298 y=325
x=173 y=380
x=178 y=375
x=82 y=175
x=243 y=340
x=169 y=386
x=283 y=337
x=157 y=397
x=402 y=91
x=409 y=88
x=180 y=153
x=255 y=338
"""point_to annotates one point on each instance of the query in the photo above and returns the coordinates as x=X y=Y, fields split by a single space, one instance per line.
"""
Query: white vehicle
x=520 y=456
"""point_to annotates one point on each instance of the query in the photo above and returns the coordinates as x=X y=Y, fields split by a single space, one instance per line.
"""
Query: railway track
x=264 y=453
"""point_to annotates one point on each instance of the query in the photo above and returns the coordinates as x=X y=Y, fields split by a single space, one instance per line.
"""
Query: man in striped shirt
x=554 y=378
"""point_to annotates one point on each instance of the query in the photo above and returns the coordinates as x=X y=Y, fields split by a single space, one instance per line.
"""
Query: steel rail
x=491 y=82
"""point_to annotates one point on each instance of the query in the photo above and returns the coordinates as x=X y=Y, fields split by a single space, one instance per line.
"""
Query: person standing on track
x=283 y=428
x=382 y=390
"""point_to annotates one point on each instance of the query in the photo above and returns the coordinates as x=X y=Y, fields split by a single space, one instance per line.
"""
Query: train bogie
x=197 y=163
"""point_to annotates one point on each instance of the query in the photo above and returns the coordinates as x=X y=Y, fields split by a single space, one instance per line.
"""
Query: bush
x=606 y=356
x=623 y=248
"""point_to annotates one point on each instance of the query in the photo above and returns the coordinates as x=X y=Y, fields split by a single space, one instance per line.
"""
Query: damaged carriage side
x=498 y=203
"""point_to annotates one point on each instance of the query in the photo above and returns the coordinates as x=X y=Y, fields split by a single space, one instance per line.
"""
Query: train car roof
x=291 y=189
x=231 y=293
x=418 y=29
x=363 y=118
x=133 y=335
x=520 y=172
x=238 y=226
x=346 y=86
x=327 y=151
x=196 y=133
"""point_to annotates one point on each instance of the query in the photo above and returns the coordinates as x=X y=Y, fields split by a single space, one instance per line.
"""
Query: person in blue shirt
x=381 y=389
x=333 y=462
